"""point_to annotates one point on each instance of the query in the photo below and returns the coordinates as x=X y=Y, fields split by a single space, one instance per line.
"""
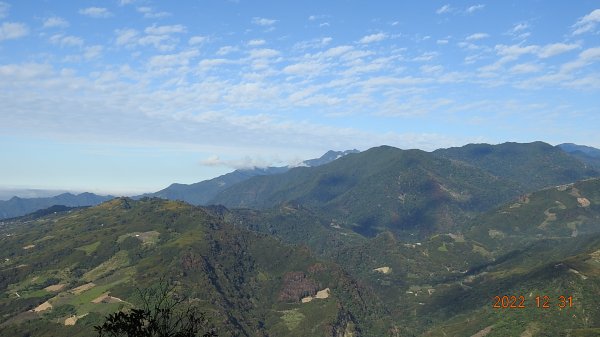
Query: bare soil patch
x=43 y=307
x=55 y=287
x=83 y=288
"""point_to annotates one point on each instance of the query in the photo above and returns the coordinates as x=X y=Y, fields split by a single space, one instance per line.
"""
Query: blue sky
x=126 y=96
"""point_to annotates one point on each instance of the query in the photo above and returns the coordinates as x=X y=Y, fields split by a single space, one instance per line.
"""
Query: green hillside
x=383 y=188
x=533 y=165
x=85 y=264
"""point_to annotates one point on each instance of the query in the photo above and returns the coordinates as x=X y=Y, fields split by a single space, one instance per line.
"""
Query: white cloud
x=225 y=50
x=555 y=49
x=96 y=12
x=475 y=8
x=587 y=23
x=428 y=69
x=477 y=36
x=12 y=30
x=442 y=41
x=55 y=22
x=263 y=53
x=585 y=58
x=337 y=51
x=198 y=39
x=519 y=27
x=165 y=30
x=170 y=60
x=444 y=9
x=427 y=56
x=125 y=2
x=372 y=38
x=4 y=8
x=126 y=36
x=254 y=43
x=314 y=43
x=150 y=13
x=525 y=68
x=92 y=52
x=244 y=163
x=305 y=68
x=263 y=21
x=66 y=40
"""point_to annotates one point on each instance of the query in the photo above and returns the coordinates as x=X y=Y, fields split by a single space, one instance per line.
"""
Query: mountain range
x=384 y=242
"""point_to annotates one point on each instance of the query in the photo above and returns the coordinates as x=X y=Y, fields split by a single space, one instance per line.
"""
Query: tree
x=162 y=314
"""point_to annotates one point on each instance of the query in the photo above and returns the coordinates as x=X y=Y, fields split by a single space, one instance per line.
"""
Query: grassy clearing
x=119 y=260
x=292 y=318
x=147 y=238
x=89 y=249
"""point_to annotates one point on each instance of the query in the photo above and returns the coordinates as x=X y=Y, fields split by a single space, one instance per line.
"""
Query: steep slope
x=533 y=165
x=587 y=154
x=202 y=192
x=87 y=263
x=558 y=212
x=20 y=206
x=381 y=188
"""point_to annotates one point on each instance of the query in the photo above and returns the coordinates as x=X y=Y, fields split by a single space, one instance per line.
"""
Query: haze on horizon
x=129 y=96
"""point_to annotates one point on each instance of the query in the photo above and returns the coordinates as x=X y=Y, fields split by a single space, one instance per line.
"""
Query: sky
x=129 y=96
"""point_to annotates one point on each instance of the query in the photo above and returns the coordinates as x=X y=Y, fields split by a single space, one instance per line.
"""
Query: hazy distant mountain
x=7 y=193
x=533 y=165
x=20 y=206
x=202 y=192
x=378 y=189
x=586 y=154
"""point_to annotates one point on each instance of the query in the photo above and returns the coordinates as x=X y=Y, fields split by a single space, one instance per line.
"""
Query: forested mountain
x=378 y=189
x=533 y=165
x=19 y=206
x=385 y=242
x=586 y=154
x=202 y=192
x=78 y=266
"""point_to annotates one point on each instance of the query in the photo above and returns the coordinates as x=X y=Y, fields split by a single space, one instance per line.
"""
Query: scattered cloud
x=444 y=9
x=427 y=56
x=477 y=36
x=150 y=13
x=125 y=2
x=475 y=8
x=263 y=53
x=442 y=41
x=373 y=38
x=255 y=43
x=4 y=8
x=165 y=30
x=225 y=50
x=555 y=49
x=96 y=12
x=126 y=36
x=525 y=68
x=246 y=162
x=263 y=21
x=12 y=30
x=55 y=22
x=196 y=40
x=585 y=58
x=92 y=52
x=587 y=23
x=520 y=27
x=66 y=40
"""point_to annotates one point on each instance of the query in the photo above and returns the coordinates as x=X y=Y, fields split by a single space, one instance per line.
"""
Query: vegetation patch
x=119 y=260
x=89 y=249
x=292 y=318
x=147 y=238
